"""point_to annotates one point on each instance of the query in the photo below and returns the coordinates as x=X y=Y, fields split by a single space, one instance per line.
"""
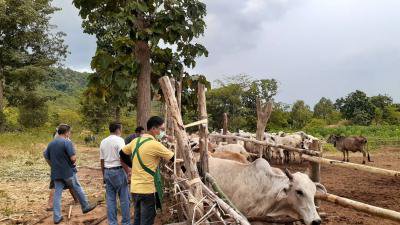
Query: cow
x=353 y=144
x=233 y=148
x=230 y=156
x=237 y=157
x=257 y=189
x=292 y=140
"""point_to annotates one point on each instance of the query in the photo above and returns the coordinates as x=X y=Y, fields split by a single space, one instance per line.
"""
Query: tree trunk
x=142 y=53
x=263 y=114
x=1 y=93
x=118 y=114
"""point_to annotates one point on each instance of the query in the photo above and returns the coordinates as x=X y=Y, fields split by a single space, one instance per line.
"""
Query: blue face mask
x=161 y=135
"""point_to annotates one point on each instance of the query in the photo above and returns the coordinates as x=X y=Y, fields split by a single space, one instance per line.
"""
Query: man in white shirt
x=114 y=175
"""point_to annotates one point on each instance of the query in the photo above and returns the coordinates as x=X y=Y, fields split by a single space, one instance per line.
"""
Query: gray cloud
x=81 y=46
x=314 y=48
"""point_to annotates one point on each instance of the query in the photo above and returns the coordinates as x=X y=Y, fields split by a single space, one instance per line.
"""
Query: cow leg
x=344 y=156
x=347 y=152
x=364 y=156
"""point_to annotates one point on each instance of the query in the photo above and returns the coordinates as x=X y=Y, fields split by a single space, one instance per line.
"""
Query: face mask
x=161 y=135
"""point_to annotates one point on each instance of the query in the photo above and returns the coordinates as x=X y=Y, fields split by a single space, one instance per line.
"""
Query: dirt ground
x=360 y=186
x=29 y=199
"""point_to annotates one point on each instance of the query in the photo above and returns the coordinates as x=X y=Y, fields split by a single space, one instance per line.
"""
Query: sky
x=314 y=48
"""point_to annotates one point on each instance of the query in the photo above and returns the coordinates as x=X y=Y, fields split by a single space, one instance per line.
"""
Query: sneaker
x=90 y=208
x=57 y=222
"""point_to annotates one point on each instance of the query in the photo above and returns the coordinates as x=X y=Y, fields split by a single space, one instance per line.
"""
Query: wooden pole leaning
x=183 y=144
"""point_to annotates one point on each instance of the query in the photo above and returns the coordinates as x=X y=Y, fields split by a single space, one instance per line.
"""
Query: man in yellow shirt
x=143 y=154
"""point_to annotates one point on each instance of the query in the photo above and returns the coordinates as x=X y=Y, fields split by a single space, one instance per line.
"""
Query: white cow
x=258 y=189
x=292 y=140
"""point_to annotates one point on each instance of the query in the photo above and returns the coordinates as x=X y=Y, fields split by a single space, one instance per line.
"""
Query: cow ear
x=283 y=193
x=321 y=188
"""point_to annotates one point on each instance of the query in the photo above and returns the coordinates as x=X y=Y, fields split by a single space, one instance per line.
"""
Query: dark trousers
x=145 y=208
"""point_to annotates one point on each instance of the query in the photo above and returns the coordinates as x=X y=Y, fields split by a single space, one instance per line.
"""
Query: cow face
x=299 y=197
x=332 y=139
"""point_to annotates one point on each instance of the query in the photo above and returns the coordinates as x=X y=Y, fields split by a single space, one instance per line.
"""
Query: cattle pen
x=202 y=196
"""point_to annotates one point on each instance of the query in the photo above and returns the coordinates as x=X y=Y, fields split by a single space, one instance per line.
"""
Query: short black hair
x=154 y=122
x=63 y=129
x=114 y=126
x=139 y=129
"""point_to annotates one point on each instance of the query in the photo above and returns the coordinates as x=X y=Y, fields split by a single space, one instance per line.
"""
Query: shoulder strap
x=136 y=152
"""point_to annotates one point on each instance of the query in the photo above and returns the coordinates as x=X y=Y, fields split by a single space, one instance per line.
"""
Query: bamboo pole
x=359 y=206
x=355 y=166
x=183 y=144
x=201 y=96
x=299 y=150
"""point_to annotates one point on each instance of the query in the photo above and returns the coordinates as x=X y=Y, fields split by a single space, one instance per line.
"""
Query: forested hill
x=66 y=80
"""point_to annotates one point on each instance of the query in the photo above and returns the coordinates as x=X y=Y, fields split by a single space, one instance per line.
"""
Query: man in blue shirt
x=60 y=155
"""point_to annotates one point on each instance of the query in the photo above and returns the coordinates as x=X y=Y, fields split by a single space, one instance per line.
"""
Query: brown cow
x=353 y=144
x=230 y=156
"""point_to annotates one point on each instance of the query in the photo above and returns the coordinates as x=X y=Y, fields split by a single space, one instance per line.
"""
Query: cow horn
x=288 y=174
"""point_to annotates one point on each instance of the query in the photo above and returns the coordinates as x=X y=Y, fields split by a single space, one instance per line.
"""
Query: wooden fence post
x=224 y=125
x=201 y=96
x=183 y=144
x=263 y=113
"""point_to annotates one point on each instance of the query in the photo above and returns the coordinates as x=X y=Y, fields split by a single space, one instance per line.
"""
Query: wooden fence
x=316 y=161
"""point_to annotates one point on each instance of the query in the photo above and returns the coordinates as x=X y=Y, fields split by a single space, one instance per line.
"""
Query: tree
x=323 y=109
x=237 y=96
x=381 y=101
x=27 y=49
x=96 y=113
x=300 y=114
x=279 y=117
x=357 y=107
x=143 y=33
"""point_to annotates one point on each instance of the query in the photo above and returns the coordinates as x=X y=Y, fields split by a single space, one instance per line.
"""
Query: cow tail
x=369 y=158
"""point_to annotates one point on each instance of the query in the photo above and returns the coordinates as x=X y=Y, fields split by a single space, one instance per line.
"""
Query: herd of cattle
x=256 y=188
x=246 y=150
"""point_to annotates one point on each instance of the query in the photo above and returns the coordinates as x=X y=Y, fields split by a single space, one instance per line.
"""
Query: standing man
x=60 y=155
x=114 y=176
x=51 y=187
x=144 y=154
x=139 y=131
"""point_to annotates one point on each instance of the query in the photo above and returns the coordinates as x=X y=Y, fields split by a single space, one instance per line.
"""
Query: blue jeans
x=117 y=183
x=59 y=187
x=145 y=208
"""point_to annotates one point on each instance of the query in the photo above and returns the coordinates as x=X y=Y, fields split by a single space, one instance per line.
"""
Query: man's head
x=115 y=128
x=156 y=127
x=64 y=130
x=139 y=130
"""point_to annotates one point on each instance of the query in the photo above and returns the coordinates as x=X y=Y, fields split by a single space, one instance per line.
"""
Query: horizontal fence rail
x=369 y=169
x=359 y=206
